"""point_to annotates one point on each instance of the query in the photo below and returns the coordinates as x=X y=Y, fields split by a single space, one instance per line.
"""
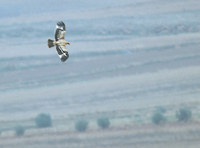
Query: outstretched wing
x=59 y=49
x=62 y=53
x=60 y=31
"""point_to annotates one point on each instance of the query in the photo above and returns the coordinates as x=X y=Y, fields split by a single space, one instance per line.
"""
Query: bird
x=60 y=41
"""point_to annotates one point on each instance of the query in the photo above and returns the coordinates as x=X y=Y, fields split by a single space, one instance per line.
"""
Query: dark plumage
x=61 y=25
x=50 y=43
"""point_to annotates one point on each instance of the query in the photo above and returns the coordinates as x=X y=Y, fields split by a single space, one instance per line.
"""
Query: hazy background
x=127 y=58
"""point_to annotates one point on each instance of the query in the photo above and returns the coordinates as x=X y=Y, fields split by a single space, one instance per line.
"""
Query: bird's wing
x=60 y=31
x=63 y=55
x=61 y=49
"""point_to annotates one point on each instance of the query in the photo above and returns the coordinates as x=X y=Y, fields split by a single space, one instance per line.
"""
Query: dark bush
x=19 y=130
x=81 y=125
x=183 y=114
x=103 y=122
x=158 y=118
x=43 y=120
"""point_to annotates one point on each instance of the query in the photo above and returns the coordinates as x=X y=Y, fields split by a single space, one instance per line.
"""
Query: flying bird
x=60 y=42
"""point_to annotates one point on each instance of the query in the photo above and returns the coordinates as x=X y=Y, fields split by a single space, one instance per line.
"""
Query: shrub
x=19 y=130
x=158 y=118
x=183 y=114
x=81 y=125
x=43 y=120
x=103 y=122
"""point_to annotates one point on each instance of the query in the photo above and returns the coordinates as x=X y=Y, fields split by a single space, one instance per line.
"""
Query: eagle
x=60 y=41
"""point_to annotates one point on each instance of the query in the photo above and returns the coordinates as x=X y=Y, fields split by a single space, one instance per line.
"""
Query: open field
x=145 y=136
x=125 y=60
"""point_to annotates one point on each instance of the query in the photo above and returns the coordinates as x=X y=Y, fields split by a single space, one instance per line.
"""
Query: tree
x=43 y=120
x=158 y=118
x=103 y=122
x=183 y=114
x=81 y=125
x=19 y=130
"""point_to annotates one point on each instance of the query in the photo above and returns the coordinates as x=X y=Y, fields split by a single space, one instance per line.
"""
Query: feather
x=61 y=25
x=50 y=43
x=62 y=54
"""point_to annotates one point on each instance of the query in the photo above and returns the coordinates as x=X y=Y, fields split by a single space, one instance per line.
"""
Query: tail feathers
x=50 y=43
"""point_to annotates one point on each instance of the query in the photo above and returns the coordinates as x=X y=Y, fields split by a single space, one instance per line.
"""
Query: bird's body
x=60 y=42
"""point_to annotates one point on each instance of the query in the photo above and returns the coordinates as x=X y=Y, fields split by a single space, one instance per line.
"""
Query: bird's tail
x=50 y=43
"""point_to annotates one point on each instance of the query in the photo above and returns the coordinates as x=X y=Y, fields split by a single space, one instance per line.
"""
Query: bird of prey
x=60 y=42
